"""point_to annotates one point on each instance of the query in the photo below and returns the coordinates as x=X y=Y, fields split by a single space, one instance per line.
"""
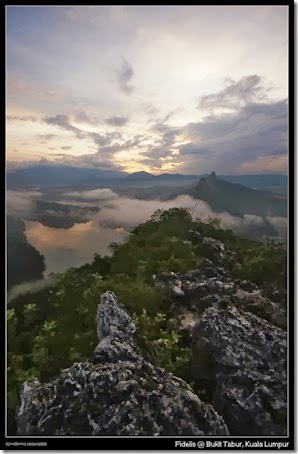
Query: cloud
x=248 y=89
x=94 y=194
x=124 y=75
x=117 y=216
x=245 y=140
x=272 y=163
x=127 y=213
x=82 y=117
x=46 y=137
x=29 y=287
x=62 y=121
x=280 y=224
x=104 y=142
x=116 y=121
x=243 y=130
x=156 y=155
x=66 y=147
x=19 y=203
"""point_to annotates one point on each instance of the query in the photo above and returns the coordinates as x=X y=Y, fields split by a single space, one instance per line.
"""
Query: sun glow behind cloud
x=148 y=88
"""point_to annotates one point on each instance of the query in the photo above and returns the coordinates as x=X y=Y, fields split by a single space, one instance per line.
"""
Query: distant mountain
x=163 y=176
x=57 y=176
x=257 y=181
x=50 y=176
x=142 y=175
x=237 y=199
x=253 y=181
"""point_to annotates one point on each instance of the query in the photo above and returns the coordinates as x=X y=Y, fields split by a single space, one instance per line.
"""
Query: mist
x=21 y=203
x=127 y=213
x=29 y=287
x=94 y=194
x=117 y=216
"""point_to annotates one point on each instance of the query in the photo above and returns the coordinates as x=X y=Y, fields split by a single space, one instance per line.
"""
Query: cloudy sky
x=161 y=89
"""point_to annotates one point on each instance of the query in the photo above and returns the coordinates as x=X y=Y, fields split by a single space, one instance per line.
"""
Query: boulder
x=261 y=306
x=210 y=284
x=243 y=358
x=116 y=392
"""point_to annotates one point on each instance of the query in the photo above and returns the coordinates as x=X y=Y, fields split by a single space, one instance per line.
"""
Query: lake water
x=65 y=248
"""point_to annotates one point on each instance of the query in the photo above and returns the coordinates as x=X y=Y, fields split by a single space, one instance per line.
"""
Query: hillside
x=24 y=262
x=163 y=292
x=237 y=199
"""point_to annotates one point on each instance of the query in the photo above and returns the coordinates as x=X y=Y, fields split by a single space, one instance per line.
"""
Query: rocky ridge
x=117 y=392
x=245 y=361
x=238 y=343
x=211 y=285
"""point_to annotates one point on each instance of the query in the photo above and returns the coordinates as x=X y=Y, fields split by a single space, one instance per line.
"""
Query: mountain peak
x=141 y=174
x=212 y=176
x=202 y=184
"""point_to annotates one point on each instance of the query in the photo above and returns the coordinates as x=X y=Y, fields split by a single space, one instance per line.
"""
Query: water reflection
x=64 y=248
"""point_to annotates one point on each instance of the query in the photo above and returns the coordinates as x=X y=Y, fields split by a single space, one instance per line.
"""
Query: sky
x=162 y=89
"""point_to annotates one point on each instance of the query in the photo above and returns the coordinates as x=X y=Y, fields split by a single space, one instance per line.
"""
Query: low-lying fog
x=75 y=246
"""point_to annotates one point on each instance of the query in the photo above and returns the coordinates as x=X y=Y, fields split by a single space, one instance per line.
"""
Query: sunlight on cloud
x=267 y=163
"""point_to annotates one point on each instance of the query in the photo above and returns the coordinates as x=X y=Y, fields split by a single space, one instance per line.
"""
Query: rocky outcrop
x=117 y=392
x=261 y=306
x=243 y=359
x=211 y=285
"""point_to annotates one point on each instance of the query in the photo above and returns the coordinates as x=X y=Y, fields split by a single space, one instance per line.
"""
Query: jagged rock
x=210 y=284
x=244 y=359
x=199 y=288
x=117 y=392
x=261 y=306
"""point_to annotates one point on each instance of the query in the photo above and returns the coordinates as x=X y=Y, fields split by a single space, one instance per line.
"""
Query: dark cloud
x=165 y=144
x=152 y=163
x=62 y=121
x=99 y=160
x=227 y=141
x=235 y=94
x=158 y=152
x=124 y=75
x=192 y=149
x=167 y=133
x=66 y=147
x=136 y=141
x=116 y=121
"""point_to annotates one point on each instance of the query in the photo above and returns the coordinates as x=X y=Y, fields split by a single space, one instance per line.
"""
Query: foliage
x=49 y=330
x=164 y=342
x=264 y=265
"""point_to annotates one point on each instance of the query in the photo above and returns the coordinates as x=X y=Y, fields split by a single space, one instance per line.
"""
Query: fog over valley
x=117 y=215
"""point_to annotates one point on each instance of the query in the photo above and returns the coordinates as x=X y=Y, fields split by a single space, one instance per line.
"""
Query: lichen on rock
x=116 y=392
x=246 y=359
